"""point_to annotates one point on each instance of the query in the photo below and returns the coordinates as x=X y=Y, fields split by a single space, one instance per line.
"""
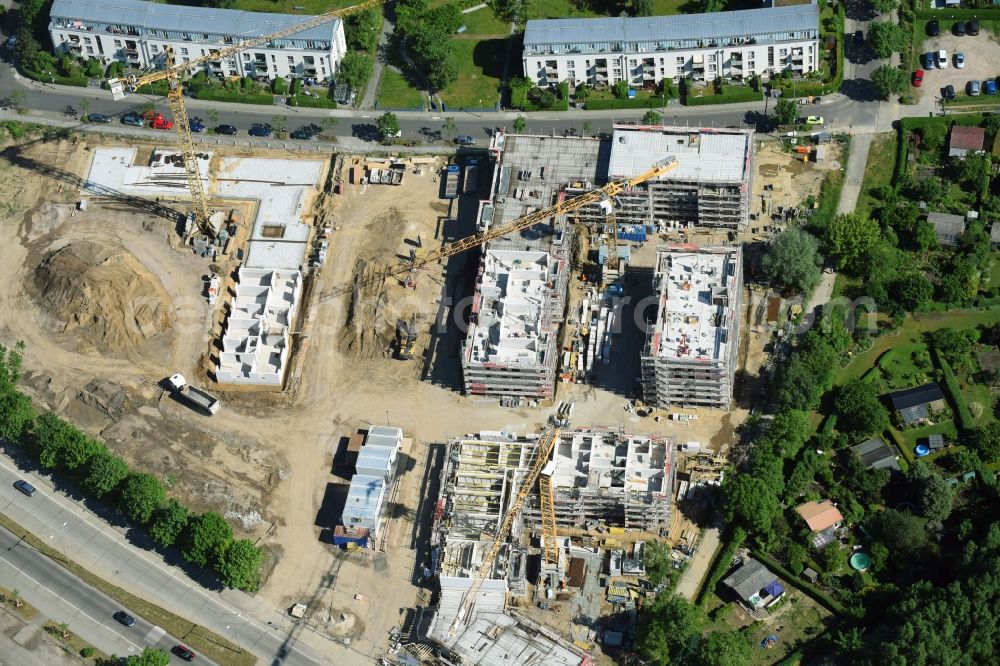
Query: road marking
x=154 y=635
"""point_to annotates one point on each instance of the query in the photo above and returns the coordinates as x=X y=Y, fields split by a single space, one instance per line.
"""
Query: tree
x=519 y=124
x=206 y=538
x=936 y=499
x=168 y=523
x=620 y=89
x=363 y=30
x=651 y=118
x=84 y=106
x=985 y=441
x=355 y=70
x=850 y=237
x=725 y=648
x=222 y=4
x=859 y=409
x=750 y=502
x=669 y=630
x=973 y=170
x=104 y=472
x=641 y=7
x=141 y=494
x=885 y=6
x=658 y=561
x=149 y=657
x=213 y=117
x=16 y=415
x=30 y=10
x=239 y=566
x=889 y=80
x=63 y=445
x=709 y=6
x=388 y=125
x=793 y=260
x=448 y=127
x=587 y=128
x=786 y=111
x=911 y=291
x=510 y=11
x=886 y=38
x=901 y=532
x=279 y=123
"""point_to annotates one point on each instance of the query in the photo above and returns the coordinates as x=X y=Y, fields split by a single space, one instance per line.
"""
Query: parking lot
x=982 y=60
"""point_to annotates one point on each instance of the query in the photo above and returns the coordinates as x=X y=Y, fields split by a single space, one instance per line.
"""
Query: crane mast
x=171 y=73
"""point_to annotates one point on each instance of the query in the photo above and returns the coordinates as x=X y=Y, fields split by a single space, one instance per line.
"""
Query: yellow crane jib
x=546 y=442
x=561 y=208
x=123 y=87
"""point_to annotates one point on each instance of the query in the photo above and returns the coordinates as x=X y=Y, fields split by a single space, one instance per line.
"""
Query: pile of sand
x=105 y=297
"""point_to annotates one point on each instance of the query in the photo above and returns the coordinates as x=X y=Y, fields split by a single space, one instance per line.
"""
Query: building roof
x=933 y=442
x=995 y=230
x=946 y=224
x=915 y=396
x=183 y=18
x=702 y=154
x=749 y=579
x=384 y=436
x=364 y=497
x=967 y=138
x=687 y=27
x=876 y=454
x=820 y=515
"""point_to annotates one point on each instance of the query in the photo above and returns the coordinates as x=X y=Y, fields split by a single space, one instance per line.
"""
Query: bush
x=223 y=95
x=87 y=652
x=279 y=86
x=296 y=86
x=729 y=95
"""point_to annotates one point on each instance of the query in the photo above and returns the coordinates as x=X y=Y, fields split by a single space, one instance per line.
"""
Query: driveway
x=982 y=60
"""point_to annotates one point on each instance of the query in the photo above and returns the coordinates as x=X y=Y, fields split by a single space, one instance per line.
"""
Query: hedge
x=279 y=86
x=312 y=102
x=962 y=414
x=637 y=103
x=805 y=586
x=730 y=96
x=733 y=538
x=223 y=95
x=80 y=81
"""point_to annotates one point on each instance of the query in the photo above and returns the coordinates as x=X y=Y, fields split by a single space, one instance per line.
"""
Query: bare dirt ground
x=792 y=179
x=268 y=457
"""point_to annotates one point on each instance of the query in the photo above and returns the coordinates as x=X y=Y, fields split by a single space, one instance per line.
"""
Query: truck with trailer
x=471 y=178
x=451 y=178
x=192 y=395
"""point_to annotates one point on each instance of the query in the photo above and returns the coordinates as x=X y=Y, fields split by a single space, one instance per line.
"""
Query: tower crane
x=542 y=452
x=171 y=73
x=599 y=195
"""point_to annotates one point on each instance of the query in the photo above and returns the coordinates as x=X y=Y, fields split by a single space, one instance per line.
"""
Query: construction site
x=317 y=295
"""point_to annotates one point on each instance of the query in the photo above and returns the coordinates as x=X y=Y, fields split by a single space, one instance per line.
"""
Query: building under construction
x=690 y=354
x=601 y=478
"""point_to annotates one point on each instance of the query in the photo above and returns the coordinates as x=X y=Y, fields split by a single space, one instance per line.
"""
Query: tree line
x=204 y=539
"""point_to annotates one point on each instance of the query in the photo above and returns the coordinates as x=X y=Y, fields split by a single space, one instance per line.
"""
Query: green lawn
x=905 y=366
x=396 y=92
x=881 y=165
x=979 y=393
x=480 y=67
x=909 y=333
x=483 y=22
x=947 y=428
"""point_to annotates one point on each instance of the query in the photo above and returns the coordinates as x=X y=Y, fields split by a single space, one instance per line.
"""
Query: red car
x=159 y=122
x=918 y=78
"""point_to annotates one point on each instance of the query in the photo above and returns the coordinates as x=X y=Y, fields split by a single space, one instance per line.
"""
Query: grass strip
x=198 y=638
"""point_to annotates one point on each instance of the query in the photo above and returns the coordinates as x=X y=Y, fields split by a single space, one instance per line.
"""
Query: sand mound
x=103 y=296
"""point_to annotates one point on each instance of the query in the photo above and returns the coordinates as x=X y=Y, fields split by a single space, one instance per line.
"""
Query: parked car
x=949 y=92
x=990 y=87
x=927 y=60
x=972 y=88
x=98 y=118
x=228 y=130
x=25 y=487
x=197 y=125
x=958 y=29
x=933 y=29
x=972 y=28
x=160 y=123
x=304 y=133
x=465 y=140
x=260 y=129
x=942 y=60
x=183 y=652
x=124 y=618
x=918 y=78
x=814 y=120
x=959 y=60
x=859 y=37
x=132 y=118
x=11 y=42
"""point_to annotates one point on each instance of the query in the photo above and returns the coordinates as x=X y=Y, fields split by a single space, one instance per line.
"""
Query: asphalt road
x=107 y=552
x=87 y=611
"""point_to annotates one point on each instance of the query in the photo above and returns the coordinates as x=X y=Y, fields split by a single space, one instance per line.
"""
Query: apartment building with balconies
x=643 y=51
x=137 y=34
